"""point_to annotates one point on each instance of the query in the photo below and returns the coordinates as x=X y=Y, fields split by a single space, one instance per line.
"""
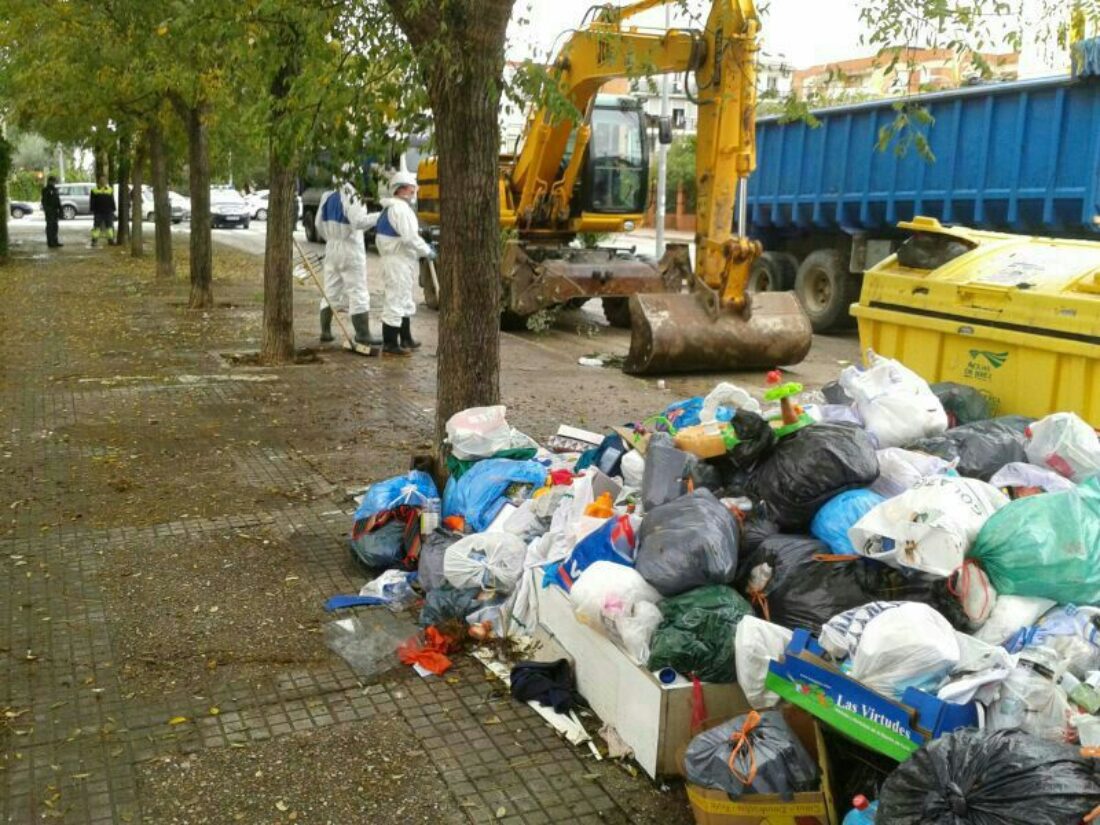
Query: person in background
x=51 y=206
x=341 y=220
x=397 y=236
x=102 y=204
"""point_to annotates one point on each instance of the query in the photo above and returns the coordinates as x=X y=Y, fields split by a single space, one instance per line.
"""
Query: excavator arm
x=722 y=59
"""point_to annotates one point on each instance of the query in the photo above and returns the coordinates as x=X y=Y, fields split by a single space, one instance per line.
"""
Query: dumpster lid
x=1041 y=265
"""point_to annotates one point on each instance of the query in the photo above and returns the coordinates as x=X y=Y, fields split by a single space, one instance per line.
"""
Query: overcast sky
x=806 y=32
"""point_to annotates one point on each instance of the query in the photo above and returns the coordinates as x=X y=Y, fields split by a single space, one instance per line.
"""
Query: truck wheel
x=617 y=312
x=307 y=225
x=68 y=212
x=826 y=289
x=431 y=297
x=773 y=272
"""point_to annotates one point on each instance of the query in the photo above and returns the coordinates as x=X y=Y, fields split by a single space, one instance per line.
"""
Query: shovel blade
x=676 y=333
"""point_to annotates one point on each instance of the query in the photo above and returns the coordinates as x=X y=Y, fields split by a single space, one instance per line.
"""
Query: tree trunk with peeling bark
x=459 y=46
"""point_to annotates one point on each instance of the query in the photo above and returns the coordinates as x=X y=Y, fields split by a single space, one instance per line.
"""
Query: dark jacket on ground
x=51 y=200
x=102 y=202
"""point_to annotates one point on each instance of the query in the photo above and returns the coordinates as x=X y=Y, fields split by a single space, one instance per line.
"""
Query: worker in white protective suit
x=400 y=245
x=341 y=220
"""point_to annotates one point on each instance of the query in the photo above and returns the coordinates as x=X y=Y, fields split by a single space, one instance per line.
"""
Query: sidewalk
x=172 y=527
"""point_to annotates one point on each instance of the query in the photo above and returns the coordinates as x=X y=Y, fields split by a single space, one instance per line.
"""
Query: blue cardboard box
x=806 y=679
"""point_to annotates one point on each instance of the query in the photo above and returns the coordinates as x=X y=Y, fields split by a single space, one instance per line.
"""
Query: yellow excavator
x=591 y=176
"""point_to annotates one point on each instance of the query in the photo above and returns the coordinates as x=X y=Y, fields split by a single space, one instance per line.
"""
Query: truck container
x=1018 y=157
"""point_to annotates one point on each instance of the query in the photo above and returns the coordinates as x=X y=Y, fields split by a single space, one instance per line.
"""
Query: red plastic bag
x=429 y=653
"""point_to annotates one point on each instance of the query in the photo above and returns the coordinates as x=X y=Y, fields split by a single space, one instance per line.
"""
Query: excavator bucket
x=673 y=332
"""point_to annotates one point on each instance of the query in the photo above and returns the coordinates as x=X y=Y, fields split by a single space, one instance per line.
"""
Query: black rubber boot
x=326 y=325
x=406 y=334
x=391 y=341
x=362 y=329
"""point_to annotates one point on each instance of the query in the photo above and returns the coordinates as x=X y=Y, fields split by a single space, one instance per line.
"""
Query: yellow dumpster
x=1014 y=316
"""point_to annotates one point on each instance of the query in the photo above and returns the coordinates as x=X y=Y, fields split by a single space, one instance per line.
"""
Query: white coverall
x=341 y=219
x=400 y=253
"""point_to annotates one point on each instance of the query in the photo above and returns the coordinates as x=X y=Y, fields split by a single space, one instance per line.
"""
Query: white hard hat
x=400 y=179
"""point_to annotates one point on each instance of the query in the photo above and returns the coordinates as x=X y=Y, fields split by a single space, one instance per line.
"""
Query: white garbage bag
x=1032 y=699
x=481 y=432
x=632 y=469
x=1021 y=474
x=841 y=634
x=757 y=643
x=1063 y=442
x=930 y=526
x=899 y=470
x=1011 y=613
x=909 y=646
x=729 y=396
x=490 y=561
x=609 y=598
x=897 y=405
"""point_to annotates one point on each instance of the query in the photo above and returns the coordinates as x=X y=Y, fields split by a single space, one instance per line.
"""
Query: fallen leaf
x=177 y=720
x=282 y=806
x=501 y=812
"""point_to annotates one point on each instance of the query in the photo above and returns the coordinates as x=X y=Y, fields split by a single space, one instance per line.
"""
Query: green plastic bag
x=697 y=631
x=1046 y=545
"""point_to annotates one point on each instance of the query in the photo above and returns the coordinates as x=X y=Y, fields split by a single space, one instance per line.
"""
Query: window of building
x=679 y=119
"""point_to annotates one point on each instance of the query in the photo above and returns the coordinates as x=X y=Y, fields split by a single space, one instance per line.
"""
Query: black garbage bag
x=884 y=583
x=1007 y=777
x=708 y=476
x=430 y=567
x=982 y=447
x=697 y=631
x=755 y=440
x=686 y=543
x=962 y=404
x=801 y=591
x=756 y=528
x=811 y=466
x=767 y=750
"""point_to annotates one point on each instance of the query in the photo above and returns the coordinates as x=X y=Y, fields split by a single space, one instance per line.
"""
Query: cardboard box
x=712 y=807
x=653 y=719
x=895 y=729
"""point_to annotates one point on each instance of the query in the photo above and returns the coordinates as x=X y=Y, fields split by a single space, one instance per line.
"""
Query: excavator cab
x=615 y=180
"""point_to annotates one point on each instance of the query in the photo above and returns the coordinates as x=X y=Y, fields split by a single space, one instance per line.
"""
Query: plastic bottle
x=862 y=813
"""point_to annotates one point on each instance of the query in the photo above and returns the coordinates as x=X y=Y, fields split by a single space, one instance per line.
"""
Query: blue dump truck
x=1017 y=157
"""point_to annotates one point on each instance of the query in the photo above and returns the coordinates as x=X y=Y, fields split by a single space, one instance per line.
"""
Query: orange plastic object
x=602 y=507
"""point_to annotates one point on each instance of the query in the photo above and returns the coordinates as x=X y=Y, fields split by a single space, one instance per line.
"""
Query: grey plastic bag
x=430 y=565
x=783 y=766
x=687 y=543
x=665 y=470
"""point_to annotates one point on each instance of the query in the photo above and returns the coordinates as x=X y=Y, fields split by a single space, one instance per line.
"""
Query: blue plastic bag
x=832 y=521
x=479 y=495
x=687 y=413
x=413 y=489
x=615 y=540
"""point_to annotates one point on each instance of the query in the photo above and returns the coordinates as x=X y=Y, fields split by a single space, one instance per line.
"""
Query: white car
x=257 y=202
x=228 y=209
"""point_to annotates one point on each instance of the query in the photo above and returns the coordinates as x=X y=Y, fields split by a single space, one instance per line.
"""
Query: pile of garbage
x=923 y=542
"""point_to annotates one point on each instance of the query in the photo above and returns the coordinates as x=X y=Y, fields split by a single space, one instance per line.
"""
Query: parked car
x=228 y=209
x=257 y=203
x=178 y=213
x=182 y=201
x=75 y=199
x=20 y=209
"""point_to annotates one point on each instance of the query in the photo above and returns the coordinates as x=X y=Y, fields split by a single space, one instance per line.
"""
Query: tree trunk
x=202 y=263
x=5 y=169
x=122 y=236
x=278 y=334
x=460 y=49
x=162 y=210
x=137 y=204
x=99 y=161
